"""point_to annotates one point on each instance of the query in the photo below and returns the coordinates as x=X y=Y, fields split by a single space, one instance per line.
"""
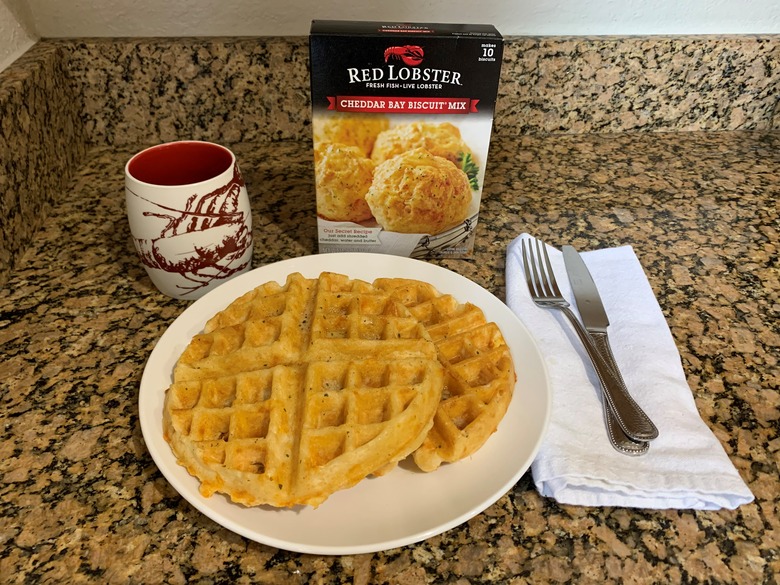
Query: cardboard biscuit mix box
x=401 y=122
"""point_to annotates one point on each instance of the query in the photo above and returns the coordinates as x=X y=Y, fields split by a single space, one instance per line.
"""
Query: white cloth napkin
x=686 y=466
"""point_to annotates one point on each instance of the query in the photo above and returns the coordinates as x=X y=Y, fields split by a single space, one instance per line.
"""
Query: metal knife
x=621 y=410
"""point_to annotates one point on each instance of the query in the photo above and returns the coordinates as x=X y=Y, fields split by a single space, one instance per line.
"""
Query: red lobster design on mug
x=205 y=240
x=411 y=55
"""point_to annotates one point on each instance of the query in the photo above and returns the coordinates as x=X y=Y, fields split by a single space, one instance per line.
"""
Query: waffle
x=479 y=378
x=298 y=390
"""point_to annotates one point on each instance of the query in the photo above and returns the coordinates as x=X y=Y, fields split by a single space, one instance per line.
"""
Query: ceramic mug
x=189 y=216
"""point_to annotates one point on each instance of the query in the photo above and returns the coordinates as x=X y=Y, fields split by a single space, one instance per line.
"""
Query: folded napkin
x=686 y=466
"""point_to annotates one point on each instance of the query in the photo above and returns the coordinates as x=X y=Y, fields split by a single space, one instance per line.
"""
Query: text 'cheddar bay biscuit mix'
x=401 y=122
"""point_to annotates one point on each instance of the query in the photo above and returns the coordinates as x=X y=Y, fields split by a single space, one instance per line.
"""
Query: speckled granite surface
x=257 y=89
x=82 y=501
x=41 y=140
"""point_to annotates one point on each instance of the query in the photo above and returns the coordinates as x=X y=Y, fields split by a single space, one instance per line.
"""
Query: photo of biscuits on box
x=412 y=177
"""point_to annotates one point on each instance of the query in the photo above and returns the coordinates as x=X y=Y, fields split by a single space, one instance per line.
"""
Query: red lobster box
x=401 y=121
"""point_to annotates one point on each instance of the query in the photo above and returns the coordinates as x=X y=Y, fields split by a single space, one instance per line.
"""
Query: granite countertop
x=82 y=500
x=666 y=144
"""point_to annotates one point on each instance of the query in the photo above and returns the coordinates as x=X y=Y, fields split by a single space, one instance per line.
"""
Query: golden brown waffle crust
x=297 y=390
x=479 y=371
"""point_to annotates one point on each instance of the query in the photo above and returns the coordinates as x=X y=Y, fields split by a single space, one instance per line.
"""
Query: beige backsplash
x=65 y=95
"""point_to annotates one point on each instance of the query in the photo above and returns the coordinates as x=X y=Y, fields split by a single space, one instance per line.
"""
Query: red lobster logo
x=411 y=55
x=227 y=240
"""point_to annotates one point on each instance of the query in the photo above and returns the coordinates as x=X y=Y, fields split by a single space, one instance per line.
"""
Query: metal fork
x=617 y=404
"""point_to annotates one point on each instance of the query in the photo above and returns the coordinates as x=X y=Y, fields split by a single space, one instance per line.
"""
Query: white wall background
x=22 y=22
x=17 y=31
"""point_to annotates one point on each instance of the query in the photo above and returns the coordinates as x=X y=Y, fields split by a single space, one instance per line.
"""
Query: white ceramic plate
x=404 y=506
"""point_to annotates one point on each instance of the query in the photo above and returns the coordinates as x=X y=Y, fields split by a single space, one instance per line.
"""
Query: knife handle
x=641 y=427
x=619 y=440
x=631 y=418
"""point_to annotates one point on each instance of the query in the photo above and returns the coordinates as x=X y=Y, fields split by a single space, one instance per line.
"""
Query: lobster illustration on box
x=209 y=238
x=411 y=55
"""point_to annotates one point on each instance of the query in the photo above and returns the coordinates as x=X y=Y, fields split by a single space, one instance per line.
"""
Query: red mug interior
x=180 y=163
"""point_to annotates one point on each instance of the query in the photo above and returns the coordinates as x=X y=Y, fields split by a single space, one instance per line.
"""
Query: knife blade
x=631 y=419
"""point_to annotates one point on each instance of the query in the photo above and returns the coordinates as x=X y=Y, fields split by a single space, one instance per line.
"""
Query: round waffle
x=296 y=391
x=479 y=372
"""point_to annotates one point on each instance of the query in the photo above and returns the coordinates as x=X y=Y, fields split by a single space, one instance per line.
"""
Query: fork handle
x=628 y=414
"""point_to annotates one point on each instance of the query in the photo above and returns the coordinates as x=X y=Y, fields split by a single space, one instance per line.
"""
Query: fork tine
x=529 y=267
x=540 y=278
x=538 y=268
x=537 y=275
x=550 y=273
